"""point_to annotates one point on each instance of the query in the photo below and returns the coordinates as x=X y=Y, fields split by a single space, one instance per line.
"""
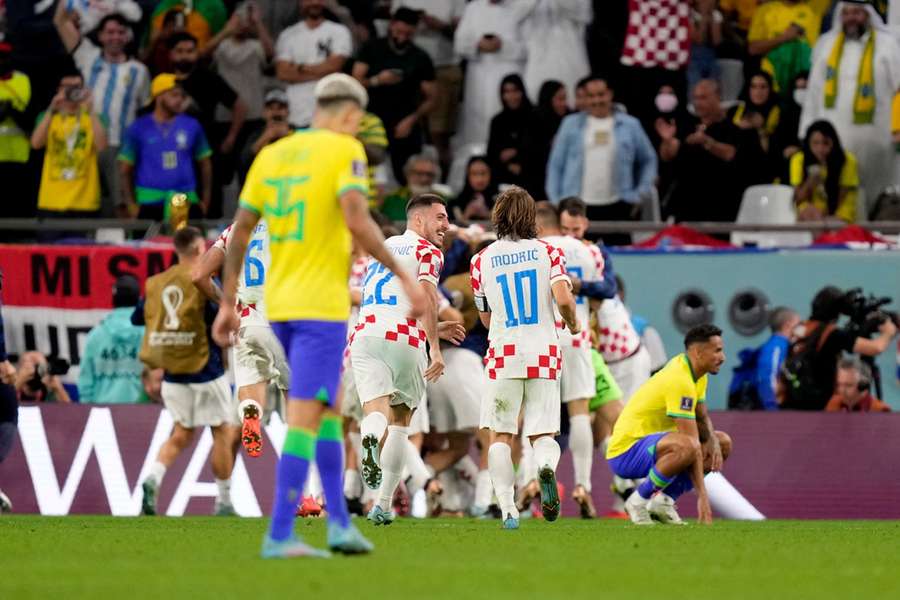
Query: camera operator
x=37 y=379
x=811 y=369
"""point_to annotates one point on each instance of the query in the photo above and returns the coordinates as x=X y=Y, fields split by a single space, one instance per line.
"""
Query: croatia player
x=311 y=189
x=258 y=357
x=578 y=383
x=518 y=277
x=387 y=351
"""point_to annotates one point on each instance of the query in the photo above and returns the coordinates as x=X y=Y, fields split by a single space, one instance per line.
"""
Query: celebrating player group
x=284 y=306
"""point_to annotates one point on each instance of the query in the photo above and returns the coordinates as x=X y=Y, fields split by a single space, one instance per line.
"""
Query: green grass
x=105 y=558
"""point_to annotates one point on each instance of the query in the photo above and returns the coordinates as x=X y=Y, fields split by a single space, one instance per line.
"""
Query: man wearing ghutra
x=854 y=76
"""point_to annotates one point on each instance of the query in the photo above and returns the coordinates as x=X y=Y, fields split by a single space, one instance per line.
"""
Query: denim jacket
x=634 y=171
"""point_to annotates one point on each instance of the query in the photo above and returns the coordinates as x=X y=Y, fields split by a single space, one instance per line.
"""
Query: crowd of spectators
x=114 y=106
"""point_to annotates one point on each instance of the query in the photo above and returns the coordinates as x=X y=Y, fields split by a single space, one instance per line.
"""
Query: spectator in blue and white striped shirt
x=120 y=85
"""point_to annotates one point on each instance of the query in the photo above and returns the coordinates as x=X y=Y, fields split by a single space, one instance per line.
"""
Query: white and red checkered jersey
x=582 y=264
x=512 y=280
x=357 y=276
x=618 y=339
x=252 y=278
x=658 y=34
x=385 y=306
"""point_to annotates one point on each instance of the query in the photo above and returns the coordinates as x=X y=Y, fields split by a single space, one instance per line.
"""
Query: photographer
x=37 y=379
x=811 y=368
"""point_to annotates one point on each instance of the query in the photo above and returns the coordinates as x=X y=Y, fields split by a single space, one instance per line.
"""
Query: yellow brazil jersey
x=670 y=394
x=295 y=185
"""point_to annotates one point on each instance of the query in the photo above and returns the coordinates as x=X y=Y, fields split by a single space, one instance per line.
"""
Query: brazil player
x=665 y=433
x=516 y=280
x=311 y=189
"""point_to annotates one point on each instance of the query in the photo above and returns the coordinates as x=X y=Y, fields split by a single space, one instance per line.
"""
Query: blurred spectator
x=73 y=135
x=738 y=14
x=400 y=79
x=155 y=53
x=772 y=355
x=814 y=356
x=824 y=177
x=206 y=91
x=581 y=94
x=278 y=15
x=670 y=112
x=437 y=24
x=606 y=35
x=476 y=200
x=91 y=12
x=36 y=381
x=706 y=35
x=542 y=127
x=422 y=174
x=655 y=53
x=201 y=18
x=158 y=155
x=782 y=34
x=375 y=142
x=120 y=85
x=554 y=32
x=15 y=94
x=758 y=113
x=110 y=368
x=273 y=127
x=785 y=142
x=604 y=157
x=708 y=185
x=151 y=384
x=855 y=74
x=505 y=148
x=852 y=389
x=489 y=38
x=240 y=53
x=306 y=52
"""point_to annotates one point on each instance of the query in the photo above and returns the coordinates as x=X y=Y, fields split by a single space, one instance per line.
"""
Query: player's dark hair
x=70 y=70
x=574 y=206
x=595 y=77
x=178 y=37
x=547 y=215
x=701 y=334
x=424 y=201
x=582 y=82
x=185 y=237
x=513 y=215
x=780 y=315
x=115 y=18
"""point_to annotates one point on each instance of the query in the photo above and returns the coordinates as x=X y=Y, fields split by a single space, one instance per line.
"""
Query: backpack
x=743 y=393
x=798 y=373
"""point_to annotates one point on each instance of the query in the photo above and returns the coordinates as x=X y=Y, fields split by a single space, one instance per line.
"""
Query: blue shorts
x=315 y=352
x=636 y=462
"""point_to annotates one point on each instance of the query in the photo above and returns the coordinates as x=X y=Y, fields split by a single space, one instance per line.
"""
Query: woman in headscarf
x=476 y=200
x=758 y=112
x=507 y=130
x=551 y=108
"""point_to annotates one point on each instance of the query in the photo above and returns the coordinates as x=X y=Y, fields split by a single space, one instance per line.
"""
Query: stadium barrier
x=71 y=459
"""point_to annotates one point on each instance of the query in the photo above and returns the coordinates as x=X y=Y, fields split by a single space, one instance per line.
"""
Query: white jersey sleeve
x=618 y=339
x=252 y=278
x=582 y=264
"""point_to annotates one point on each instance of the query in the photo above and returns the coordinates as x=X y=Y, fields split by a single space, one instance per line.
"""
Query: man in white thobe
x=866 y=136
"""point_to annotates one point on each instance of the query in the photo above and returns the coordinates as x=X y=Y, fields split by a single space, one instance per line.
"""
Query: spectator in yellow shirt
x=740 y=11
x=895 y=122
x=15 y=93
x=824 y=177
x=73 y=136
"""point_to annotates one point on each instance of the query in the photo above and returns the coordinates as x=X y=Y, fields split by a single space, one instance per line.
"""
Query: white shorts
x=421 y=419
x=454 y=400
x=350 y=404
x=384 y=368
x=631 y=373
x=199 y=404
x=578 y=381
x=537 y=399
x=259 y=357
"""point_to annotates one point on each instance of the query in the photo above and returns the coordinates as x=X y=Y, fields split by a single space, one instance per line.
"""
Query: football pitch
x=114 y=557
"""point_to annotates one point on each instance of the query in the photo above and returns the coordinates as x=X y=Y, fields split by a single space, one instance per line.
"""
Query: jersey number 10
x=519 y=314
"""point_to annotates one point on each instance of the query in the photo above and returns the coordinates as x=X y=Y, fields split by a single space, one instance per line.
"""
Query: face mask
x=183 y=66
x=666 y=102
x=800 y=96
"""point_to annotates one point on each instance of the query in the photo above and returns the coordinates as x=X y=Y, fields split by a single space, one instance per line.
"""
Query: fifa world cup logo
x=172 y=297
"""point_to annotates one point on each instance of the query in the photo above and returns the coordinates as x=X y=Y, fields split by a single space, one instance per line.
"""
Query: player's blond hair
x=336 y=89
x=514 y=215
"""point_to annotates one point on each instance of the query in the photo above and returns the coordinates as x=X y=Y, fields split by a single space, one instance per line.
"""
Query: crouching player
x=665 y=433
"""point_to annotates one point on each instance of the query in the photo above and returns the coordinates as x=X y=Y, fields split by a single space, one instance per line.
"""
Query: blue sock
x=681 y=484
x=330 y=461
x=293 y=467
x=655 y=481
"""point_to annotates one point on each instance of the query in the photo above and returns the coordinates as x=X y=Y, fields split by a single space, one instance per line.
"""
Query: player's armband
x=481 y=304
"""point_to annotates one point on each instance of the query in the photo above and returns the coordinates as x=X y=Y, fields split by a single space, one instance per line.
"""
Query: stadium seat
x=732 y=78
x=769 y=205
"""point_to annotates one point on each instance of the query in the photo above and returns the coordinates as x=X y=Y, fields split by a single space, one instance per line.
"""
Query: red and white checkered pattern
x=581 y=262
x=408 y=333
x=431 y=262
x=250 y=296
x=658 y=34
x=547 y=366
x=618 y=339
x=475 y=274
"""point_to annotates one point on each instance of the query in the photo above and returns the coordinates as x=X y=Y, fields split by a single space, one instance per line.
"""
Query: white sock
x=581 y=442
x=419 y=472
x=483 y=489
x=502 y=476
x=352 y=484
x=467 y=468
x=393 y=456
x=527 y=467
x=224 y=487
x=373 y=424
x=157 y=472
x=546 y=452
x=356 y=443
x=246 y=403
